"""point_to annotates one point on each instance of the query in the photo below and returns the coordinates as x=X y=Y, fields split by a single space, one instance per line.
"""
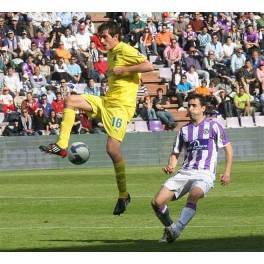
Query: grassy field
x=71 y=210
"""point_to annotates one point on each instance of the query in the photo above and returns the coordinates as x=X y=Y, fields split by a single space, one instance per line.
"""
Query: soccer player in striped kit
x=199 y=140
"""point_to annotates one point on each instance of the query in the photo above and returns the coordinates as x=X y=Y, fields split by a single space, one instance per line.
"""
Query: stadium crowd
x=44 y=57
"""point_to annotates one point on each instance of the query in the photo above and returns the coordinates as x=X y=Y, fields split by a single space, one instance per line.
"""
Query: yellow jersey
x=123 y=88
x=242 y=100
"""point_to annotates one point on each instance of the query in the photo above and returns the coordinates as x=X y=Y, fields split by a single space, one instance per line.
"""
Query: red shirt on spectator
x=58 y=106
x=101 y=66
x=98 y=43
x=31 y=105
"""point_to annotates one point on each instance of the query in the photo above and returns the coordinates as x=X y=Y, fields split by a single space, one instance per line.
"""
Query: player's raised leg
x=113 y=148
x=71 y=103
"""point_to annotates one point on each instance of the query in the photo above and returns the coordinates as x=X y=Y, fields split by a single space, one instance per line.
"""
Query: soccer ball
x=78 y=153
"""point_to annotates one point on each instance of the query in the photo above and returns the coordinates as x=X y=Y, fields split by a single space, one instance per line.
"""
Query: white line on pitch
x=116 y=227
x=230 y=195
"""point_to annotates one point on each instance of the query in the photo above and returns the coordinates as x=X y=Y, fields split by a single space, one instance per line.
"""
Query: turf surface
x=71 y=210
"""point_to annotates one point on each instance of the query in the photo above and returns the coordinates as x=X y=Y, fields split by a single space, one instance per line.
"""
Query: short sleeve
x=133 y=56
x=179 y=143
x=221 y=135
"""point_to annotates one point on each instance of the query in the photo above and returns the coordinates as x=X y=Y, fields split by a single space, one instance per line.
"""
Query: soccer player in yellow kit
x=115 y=109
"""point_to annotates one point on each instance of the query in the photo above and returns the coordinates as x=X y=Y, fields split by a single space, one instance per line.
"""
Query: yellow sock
x=66 y=127
x=121 y=178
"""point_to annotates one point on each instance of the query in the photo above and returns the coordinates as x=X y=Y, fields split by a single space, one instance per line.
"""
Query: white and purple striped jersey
x=200 y=144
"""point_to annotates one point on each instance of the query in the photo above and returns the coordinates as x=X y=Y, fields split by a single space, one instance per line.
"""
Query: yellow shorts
x=114 y=117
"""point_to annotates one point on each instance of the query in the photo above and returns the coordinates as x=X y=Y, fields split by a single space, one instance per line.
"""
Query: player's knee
x=156 y=203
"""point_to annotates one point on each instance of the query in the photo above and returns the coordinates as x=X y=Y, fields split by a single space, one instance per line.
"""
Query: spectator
x=60 y=71
x=62 y=52
x=25 y=44
x=29 y=66
x=68 y=40
x=64 y=89
x=216 y=46
x=54 y=123
x=163 y=39
x=172 y=53
x=50 y=95
x=260 y=74
x=192 y=77
x=197 y=22
x=25 y=124
x=39 y=40
x=38 y=82
x=83 y=40
x=89 y=25
x=92 y=88
x=46 y=28
x=34 y=51
x=242 y=103
x=228 y=49
x=203 y=89
x=101 y=67
x=48 y=52
x=189 y=38
x=193 y=58
x=85 y=122
x=147 y=43
x=251 y=38
x=237 y=61
x=235 y=35
x=30 y=104
x=204 y=38
x=147 y=112
x=160 y=104
x=58 y=105
x=12 y=42
x=225 y=106
x=182 y=91
x=104 y=87
x=56 y=33
x=180 y=26
x=45 y=68
x=40 y=123
x=30 y=27
x=74 y=25
x=136 y=29
x=74 y=70
x=6 y=101
x=11 y=80
x=256 y=58
x=45 y=105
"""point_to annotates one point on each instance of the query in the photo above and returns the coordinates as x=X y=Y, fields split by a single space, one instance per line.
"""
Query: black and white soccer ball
x=78 y=153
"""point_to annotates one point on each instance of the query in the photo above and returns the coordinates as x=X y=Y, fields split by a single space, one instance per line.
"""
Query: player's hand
x=168 y=169
x=225 y=179
x=119 y=70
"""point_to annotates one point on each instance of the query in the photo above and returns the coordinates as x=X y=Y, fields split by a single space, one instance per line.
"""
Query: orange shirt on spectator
x=203 y=90
x=164 y=38
x=61 y=52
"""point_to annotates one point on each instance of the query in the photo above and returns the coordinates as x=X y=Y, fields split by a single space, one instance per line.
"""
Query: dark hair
x=200 y=97
x=112 y=27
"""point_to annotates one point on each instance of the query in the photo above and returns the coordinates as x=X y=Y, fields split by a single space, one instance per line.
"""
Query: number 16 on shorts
x=116 y=122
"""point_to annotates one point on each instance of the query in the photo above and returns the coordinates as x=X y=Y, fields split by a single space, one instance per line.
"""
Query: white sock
x=187 y=214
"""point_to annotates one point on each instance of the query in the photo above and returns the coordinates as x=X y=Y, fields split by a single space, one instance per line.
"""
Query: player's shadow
x=230 y=244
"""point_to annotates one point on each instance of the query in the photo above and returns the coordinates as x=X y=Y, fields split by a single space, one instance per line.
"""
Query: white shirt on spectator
x=6 y=99
x=13 y=83
x=229 y=50
x=25 y=44
x=193 y=78
x=69 y=42
x=83 y=40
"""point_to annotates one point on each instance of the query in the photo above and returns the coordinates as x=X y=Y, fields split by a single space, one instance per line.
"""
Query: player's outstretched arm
x=170 y=168
x=145 y=66
x=226 y=177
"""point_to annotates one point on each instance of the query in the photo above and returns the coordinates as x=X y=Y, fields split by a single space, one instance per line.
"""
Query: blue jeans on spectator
x=165 y=117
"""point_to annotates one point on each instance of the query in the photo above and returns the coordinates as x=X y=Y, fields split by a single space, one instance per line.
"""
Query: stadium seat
x=2 y=117
x=232 y=122
x=221 y=121
x=259 y=121
x=247 y=121
x=130 y=127
x=165 y=73
x=155 y=126
x=141 y=126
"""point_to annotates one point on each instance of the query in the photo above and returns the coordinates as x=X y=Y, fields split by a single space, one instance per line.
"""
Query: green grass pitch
x=71 y=210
